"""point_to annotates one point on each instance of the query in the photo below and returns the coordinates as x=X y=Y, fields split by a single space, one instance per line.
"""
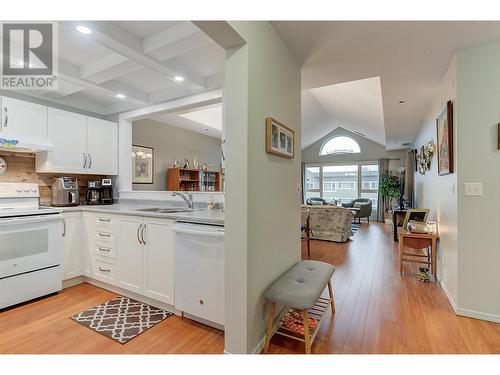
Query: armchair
x=364 y=205
x=315 y=201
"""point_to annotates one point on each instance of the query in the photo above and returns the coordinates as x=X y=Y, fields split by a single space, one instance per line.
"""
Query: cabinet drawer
x=104 y=269
x=103 y=220
x=104 y=249
x=107 y=235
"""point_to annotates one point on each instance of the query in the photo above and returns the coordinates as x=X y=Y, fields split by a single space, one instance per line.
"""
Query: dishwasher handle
x=197 y=232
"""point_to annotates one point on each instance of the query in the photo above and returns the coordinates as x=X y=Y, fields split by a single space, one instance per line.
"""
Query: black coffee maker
x=93 y=192
x=106 y=191
x=100 y=192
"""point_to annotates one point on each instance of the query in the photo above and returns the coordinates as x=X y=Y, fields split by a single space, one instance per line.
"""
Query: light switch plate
x=474 y=189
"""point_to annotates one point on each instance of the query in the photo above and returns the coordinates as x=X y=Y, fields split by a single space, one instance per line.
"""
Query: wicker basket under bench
x=300 y=289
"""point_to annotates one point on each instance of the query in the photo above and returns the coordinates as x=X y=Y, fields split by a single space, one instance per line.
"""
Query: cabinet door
x=102 y=147
x=131 y=254
x=22 y=117
x=67 y=131
x=71 y=246
x=159 y=262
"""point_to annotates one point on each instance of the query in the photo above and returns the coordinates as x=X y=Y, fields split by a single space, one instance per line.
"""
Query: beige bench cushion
x=302 y=285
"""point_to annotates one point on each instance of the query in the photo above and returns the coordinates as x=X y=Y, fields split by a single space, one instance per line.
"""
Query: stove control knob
x=19 y=190
x=33 y=190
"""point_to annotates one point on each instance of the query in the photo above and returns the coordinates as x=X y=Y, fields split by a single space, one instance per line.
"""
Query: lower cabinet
x=72 y=250
x=159 y=260
x=132 y=252
x=146 y=260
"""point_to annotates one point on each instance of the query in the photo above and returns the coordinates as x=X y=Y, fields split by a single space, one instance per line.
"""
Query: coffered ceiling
x=117 y=66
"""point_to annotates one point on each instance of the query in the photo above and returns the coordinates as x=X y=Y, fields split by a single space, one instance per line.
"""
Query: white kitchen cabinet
x=131 y=254
x=159 y=260
x=68 y=132
x=83 y=145
x=145 y=257
x=102 y=147
x=20 y=117
x=72 y=250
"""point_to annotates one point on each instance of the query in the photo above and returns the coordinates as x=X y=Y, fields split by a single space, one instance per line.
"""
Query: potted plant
x=390 y=189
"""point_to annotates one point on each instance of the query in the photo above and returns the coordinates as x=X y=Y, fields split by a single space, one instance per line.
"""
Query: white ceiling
x=204 y=120
x=409 y=57
x=138 y=59
x=356 y=104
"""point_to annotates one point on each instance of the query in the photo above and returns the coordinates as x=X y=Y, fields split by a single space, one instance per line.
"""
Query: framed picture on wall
x=280 y=139
x=142 y=164
x=444 y=125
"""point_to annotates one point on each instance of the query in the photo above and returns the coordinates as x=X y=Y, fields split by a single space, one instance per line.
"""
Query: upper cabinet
x=102 y=146
x=68 y=132
x=83 y=145
x=21 y=117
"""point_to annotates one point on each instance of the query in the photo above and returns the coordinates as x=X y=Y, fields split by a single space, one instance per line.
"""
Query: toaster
x=65 y=192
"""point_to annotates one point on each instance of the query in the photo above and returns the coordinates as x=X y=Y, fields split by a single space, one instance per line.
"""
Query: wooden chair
x=306 y=228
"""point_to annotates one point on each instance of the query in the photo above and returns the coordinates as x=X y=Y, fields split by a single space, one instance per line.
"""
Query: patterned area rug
x=121 y=318
x=354 y=228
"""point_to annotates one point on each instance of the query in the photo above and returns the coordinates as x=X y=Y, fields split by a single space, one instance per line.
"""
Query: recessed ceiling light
x=402 y=101
x=120 y=96
x=179 y=78
x=83 y=29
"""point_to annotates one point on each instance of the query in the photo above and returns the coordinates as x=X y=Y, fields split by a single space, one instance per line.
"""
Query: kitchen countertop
x=203 y=215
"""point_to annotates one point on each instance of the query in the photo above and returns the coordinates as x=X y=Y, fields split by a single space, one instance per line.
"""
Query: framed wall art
x=444 y=125
x=280 y=139
x=142 y=164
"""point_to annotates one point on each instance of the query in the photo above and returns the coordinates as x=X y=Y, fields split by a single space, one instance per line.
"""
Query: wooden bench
x=300 y=289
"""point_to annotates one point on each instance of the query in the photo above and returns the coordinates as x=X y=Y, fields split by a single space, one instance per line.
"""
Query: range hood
x=24 y=143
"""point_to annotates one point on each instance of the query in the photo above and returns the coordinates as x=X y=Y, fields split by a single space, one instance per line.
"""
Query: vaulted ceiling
x=123 y=65
x=409 y=57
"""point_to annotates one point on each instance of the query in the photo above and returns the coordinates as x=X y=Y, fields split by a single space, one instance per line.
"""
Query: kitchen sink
x=164 y=210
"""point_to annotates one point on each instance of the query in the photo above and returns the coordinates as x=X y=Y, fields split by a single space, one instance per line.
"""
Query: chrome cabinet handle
x=64 y=228
x=104 y=219
x=138 y=229
x=104 y=269
x=104 y=234
x=84 y=160
x=90 y=161
x=106 y=249
x=6 y=111
x=142 y=234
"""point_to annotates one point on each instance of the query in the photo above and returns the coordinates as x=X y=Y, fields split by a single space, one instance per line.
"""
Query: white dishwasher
x=199 y=270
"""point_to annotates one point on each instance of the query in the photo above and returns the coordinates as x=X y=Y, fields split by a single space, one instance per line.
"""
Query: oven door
x=29 y=243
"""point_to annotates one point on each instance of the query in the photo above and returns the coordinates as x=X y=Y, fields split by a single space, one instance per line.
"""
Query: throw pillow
x=358 y=204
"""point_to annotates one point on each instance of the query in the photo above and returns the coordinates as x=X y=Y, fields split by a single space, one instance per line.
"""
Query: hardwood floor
x=43 y=326
x=378 y=311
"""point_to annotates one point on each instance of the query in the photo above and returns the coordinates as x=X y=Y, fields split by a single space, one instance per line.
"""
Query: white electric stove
x=30 y=245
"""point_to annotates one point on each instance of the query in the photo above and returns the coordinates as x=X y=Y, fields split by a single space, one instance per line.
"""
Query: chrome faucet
x=188 y=198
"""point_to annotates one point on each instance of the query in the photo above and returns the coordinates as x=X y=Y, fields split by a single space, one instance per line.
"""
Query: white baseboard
x=260 y=346
x=137 y=297
x=478 y=315
x=449 y=296
x=72 y=282
x=468 y=313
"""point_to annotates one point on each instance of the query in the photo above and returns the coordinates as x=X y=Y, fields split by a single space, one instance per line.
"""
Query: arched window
x=340 y=145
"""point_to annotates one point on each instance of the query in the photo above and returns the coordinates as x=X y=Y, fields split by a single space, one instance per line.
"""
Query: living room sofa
x=330 y=223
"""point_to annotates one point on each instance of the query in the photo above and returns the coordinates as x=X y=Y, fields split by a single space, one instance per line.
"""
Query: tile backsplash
x=21 y=168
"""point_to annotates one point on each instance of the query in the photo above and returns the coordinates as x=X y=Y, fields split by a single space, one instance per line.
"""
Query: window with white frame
x=342 y=183
x=340 y=145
